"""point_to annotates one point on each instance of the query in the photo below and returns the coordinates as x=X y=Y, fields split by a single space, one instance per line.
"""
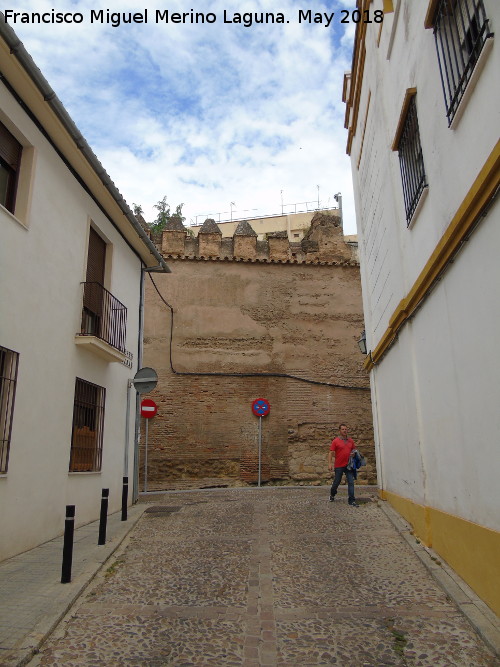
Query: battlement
x=323 y=243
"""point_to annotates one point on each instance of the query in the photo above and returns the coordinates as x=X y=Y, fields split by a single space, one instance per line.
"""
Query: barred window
x=411 y=159
x=88 y=423
x=8 y=379
x=460 y=32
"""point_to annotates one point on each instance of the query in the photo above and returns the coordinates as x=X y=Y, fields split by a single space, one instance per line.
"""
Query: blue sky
x=206 y=114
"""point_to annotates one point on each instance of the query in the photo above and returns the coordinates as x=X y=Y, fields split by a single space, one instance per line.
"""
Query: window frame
x=408 y=145
x=461 y=31
x=93 y=288
x=9 y=365
x=88 y=418
x=11 y=151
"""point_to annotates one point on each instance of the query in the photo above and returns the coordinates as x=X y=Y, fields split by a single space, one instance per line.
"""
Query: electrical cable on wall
x=259 y=375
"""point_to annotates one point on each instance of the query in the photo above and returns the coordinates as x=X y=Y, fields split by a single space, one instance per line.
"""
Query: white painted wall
x=458 y=379
x=436 y=392
x=41 y=267
x=400 y=256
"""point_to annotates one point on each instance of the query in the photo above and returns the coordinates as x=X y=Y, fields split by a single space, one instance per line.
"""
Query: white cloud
x=206 y=114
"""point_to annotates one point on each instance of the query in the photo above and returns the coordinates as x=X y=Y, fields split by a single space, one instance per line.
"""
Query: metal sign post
x=144 y=381
x=260 y=408
x=260 y=448
x=146 y=459
x=148 y=411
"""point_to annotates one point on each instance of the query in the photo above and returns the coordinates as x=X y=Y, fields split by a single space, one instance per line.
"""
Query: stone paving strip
x=264 y=577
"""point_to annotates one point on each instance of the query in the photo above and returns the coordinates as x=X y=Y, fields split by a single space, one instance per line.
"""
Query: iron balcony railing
x=103 y=316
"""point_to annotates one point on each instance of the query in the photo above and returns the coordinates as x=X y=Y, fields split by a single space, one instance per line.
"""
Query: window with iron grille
x=88 y=423
x=10 y=160
x=460 y=32
x=411 y=160
x=8 y=379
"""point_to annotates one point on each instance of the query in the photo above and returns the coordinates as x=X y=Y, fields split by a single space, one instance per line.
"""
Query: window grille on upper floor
x=411 y=161
x=460 y=32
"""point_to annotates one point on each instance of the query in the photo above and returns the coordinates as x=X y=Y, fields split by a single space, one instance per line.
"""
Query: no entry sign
x=260 y=407
x=148 y=408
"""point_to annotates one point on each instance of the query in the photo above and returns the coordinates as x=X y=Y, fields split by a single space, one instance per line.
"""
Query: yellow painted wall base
x=473 y=551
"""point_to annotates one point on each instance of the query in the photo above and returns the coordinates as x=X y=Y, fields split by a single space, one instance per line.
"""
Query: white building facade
x=422 y=113
x=71 y=269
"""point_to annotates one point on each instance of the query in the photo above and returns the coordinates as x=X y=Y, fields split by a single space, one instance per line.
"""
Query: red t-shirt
x=342 y=449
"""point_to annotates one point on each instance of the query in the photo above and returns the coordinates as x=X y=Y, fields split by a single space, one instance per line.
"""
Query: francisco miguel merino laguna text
x=247 y=19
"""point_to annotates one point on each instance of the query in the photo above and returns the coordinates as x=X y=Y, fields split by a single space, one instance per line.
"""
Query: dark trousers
x=350 y=482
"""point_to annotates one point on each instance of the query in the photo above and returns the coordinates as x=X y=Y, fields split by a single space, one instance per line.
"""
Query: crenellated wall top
x=323 y=244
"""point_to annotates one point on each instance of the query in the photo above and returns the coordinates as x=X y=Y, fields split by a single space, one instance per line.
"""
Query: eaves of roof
x=25 y=79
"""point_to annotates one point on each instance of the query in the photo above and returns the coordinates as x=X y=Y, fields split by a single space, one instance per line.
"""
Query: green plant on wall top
x=165 y=215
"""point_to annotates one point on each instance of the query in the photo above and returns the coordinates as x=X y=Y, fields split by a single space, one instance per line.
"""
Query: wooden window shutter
x=10 y=148
x=96 y=258
x=10 y=160
x=93 y=291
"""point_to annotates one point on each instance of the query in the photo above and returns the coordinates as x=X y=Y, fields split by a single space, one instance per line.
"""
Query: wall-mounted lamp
x=362 y=343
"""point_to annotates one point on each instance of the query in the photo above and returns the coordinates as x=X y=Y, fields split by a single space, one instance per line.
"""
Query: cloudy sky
x=217 y=116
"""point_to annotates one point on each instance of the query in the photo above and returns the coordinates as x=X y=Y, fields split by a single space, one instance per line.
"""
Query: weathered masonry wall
x=296 y=317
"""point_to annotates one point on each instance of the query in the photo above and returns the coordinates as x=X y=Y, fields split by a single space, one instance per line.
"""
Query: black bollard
x=69 y=529
x=124 y=498
x=104 y=517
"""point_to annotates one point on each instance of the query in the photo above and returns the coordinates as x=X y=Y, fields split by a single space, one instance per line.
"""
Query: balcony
x=104 y=323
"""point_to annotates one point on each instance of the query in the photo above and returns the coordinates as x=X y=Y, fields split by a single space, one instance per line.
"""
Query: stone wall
x=242 y=309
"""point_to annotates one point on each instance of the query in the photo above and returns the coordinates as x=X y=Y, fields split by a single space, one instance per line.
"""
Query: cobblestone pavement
x=255 y=577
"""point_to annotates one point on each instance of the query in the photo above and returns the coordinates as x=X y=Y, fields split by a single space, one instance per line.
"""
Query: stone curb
x=484 y=621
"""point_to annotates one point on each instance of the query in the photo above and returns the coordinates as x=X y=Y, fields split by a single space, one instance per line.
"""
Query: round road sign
x=261 y=407
x=148 y=408
x=145 y=380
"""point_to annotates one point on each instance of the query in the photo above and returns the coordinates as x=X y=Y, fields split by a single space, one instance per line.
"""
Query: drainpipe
x=140 y=352
x=140 y=348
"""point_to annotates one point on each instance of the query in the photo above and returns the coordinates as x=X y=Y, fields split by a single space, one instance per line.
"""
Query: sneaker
x=332 y=498
x=354 y=504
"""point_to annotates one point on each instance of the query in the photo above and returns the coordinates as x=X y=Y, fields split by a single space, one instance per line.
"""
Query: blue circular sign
x=260 y=407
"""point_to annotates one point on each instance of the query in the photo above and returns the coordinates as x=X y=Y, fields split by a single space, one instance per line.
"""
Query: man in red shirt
x=341 y=448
